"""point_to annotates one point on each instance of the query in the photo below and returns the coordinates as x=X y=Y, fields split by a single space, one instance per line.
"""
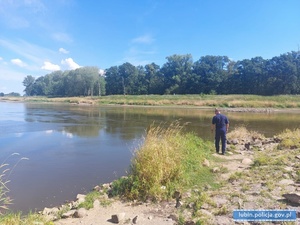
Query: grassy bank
x=227 y=101
x=168 y=161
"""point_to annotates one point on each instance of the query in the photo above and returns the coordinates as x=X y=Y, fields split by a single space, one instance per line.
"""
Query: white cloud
x=50 y=66
x=62 y=37
x=18 y=62
x=145 y=39
x=64 y=51
x=1 y=58
x=70 y=63
x=27 y=50
x=21 y=14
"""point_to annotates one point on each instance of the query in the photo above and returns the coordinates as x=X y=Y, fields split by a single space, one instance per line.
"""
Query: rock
x=247 y=161
x=80 y=213
x=206 y=163
x=117 y=218
x=247 y=146
x=177 y=195
x=234 y=141
x=294 y=198
x=286 y=182
x=134 y=220
x=68 y=214
x=178 y=204
x=49 y=211
x=96 y=204
x=80 y=198
x=216 y=170
x=286 y=176
x=173 y=217
x=297 y=156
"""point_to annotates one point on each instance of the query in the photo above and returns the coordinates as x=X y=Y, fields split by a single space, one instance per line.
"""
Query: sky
x=38 y=37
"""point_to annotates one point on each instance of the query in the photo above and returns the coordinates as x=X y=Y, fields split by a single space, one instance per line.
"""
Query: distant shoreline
x=228 y=103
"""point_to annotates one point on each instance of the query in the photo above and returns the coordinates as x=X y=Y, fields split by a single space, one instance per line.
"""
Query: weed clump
x=167 y=161
x=290 y=139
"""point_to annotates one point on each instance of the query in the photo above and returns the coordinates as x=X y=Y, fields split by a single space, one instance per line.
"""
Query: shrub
x=289 y=139
x=167 y=161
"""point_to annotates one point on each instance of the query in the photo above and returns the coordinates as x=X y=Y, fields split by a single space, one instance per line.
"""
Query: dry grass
x=168 y=160
x=241 y=133
x=290 y=139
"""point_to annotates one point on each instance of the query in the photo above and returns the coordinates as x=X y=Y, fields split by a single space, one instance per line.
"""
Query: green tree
x=28 y=83
x=213 y=72
x=176 y=72
x=153 y=80
x=113 y=85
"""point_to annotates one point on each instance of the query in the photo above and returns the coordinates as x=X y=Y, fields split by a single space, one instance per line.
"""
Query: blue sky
x=41 y=36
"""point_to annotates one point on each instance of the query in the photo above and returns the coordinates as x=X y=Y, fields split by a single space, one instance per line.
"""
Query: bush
x=167 y=161
x=289 y=139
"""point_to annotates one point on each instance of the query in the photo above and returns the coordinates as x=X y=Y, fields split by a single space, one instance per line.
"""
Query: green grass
x=289 y=139
x=168 y=161
x=227 y=101
x=17 y=219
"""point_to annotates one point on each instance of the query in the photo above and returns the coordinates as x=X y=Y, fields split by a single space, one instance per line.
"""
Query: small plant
x=89 y=200
x=290 y=139
x=222 y=211
x=235 y=176
x=5 y=172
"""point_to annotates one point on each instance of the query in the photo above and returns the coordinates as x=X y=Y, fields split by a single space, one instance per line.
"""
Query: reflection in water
x=73 y=148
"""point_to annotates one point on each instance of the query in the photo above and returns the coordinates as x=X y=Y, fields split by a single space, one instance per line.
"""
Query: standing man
x=220 y=124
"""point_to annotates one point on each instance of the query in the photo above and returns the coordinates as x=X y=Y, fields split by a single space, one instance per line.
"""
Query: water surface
x=71 y=149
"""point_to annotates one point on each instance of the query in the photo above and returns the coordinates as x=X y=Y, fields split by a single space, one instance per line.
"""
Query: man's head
x=217 y=111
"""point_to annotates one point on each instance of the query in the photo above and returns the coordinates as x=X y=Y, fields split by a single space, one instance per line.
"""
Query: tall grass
x=289 y=139
x=5 y=172
x=168 y=160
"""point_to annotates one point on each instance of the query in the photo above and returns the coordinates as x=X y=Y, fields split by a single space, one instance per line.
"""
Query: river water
x=55 y=151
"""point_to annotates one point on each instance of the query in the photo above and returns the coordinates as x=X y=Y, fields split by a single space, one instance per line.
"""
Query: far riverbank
x=230 y=102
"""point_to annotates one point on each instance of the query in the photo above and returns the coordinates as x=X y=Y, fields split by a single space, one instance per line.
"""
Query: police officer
x=220 y=124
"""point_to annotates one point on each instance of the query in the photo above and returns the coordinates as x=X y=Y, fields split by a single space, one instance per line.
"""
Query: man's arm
x=213 y=126
x=227 y=126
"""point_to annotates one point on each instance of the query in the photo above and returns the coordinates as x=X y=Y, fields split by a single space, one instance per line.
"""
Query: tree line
x=179 y=75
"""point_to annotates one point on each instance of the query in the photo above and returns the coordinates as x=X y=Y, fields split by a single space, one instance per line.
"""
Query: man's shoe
x=223 y=153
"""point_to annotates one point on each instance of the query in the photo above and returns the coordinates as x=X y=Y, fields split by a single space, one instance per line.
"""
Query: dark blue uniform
x=220 y=121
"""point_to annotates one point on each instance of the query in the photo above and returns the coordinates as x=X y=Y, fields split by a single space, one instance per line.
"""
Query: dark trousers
x=220 y=134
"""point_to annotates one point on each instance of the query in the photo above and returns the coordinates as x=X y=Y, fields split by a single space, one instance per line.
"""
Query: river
x=55 y=151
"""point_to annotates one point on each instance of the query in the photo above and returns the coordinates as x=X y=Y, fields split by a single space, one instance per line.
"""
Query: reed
x=168 y=160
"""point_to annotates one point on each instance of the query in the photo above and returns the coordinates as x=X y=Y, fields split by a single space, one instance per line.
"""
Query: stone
x=48 y=211
x=134 y=220
x=286 y=182
x=294 y=198
x=216 y=170
x=117 y=218
x=206 y=163
x=247 y=161
x=80 y=198
x=96 y=204
x=80 y=213
x=177 y=195
x=178 y=204
x=173 y=217
x=68 y=214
